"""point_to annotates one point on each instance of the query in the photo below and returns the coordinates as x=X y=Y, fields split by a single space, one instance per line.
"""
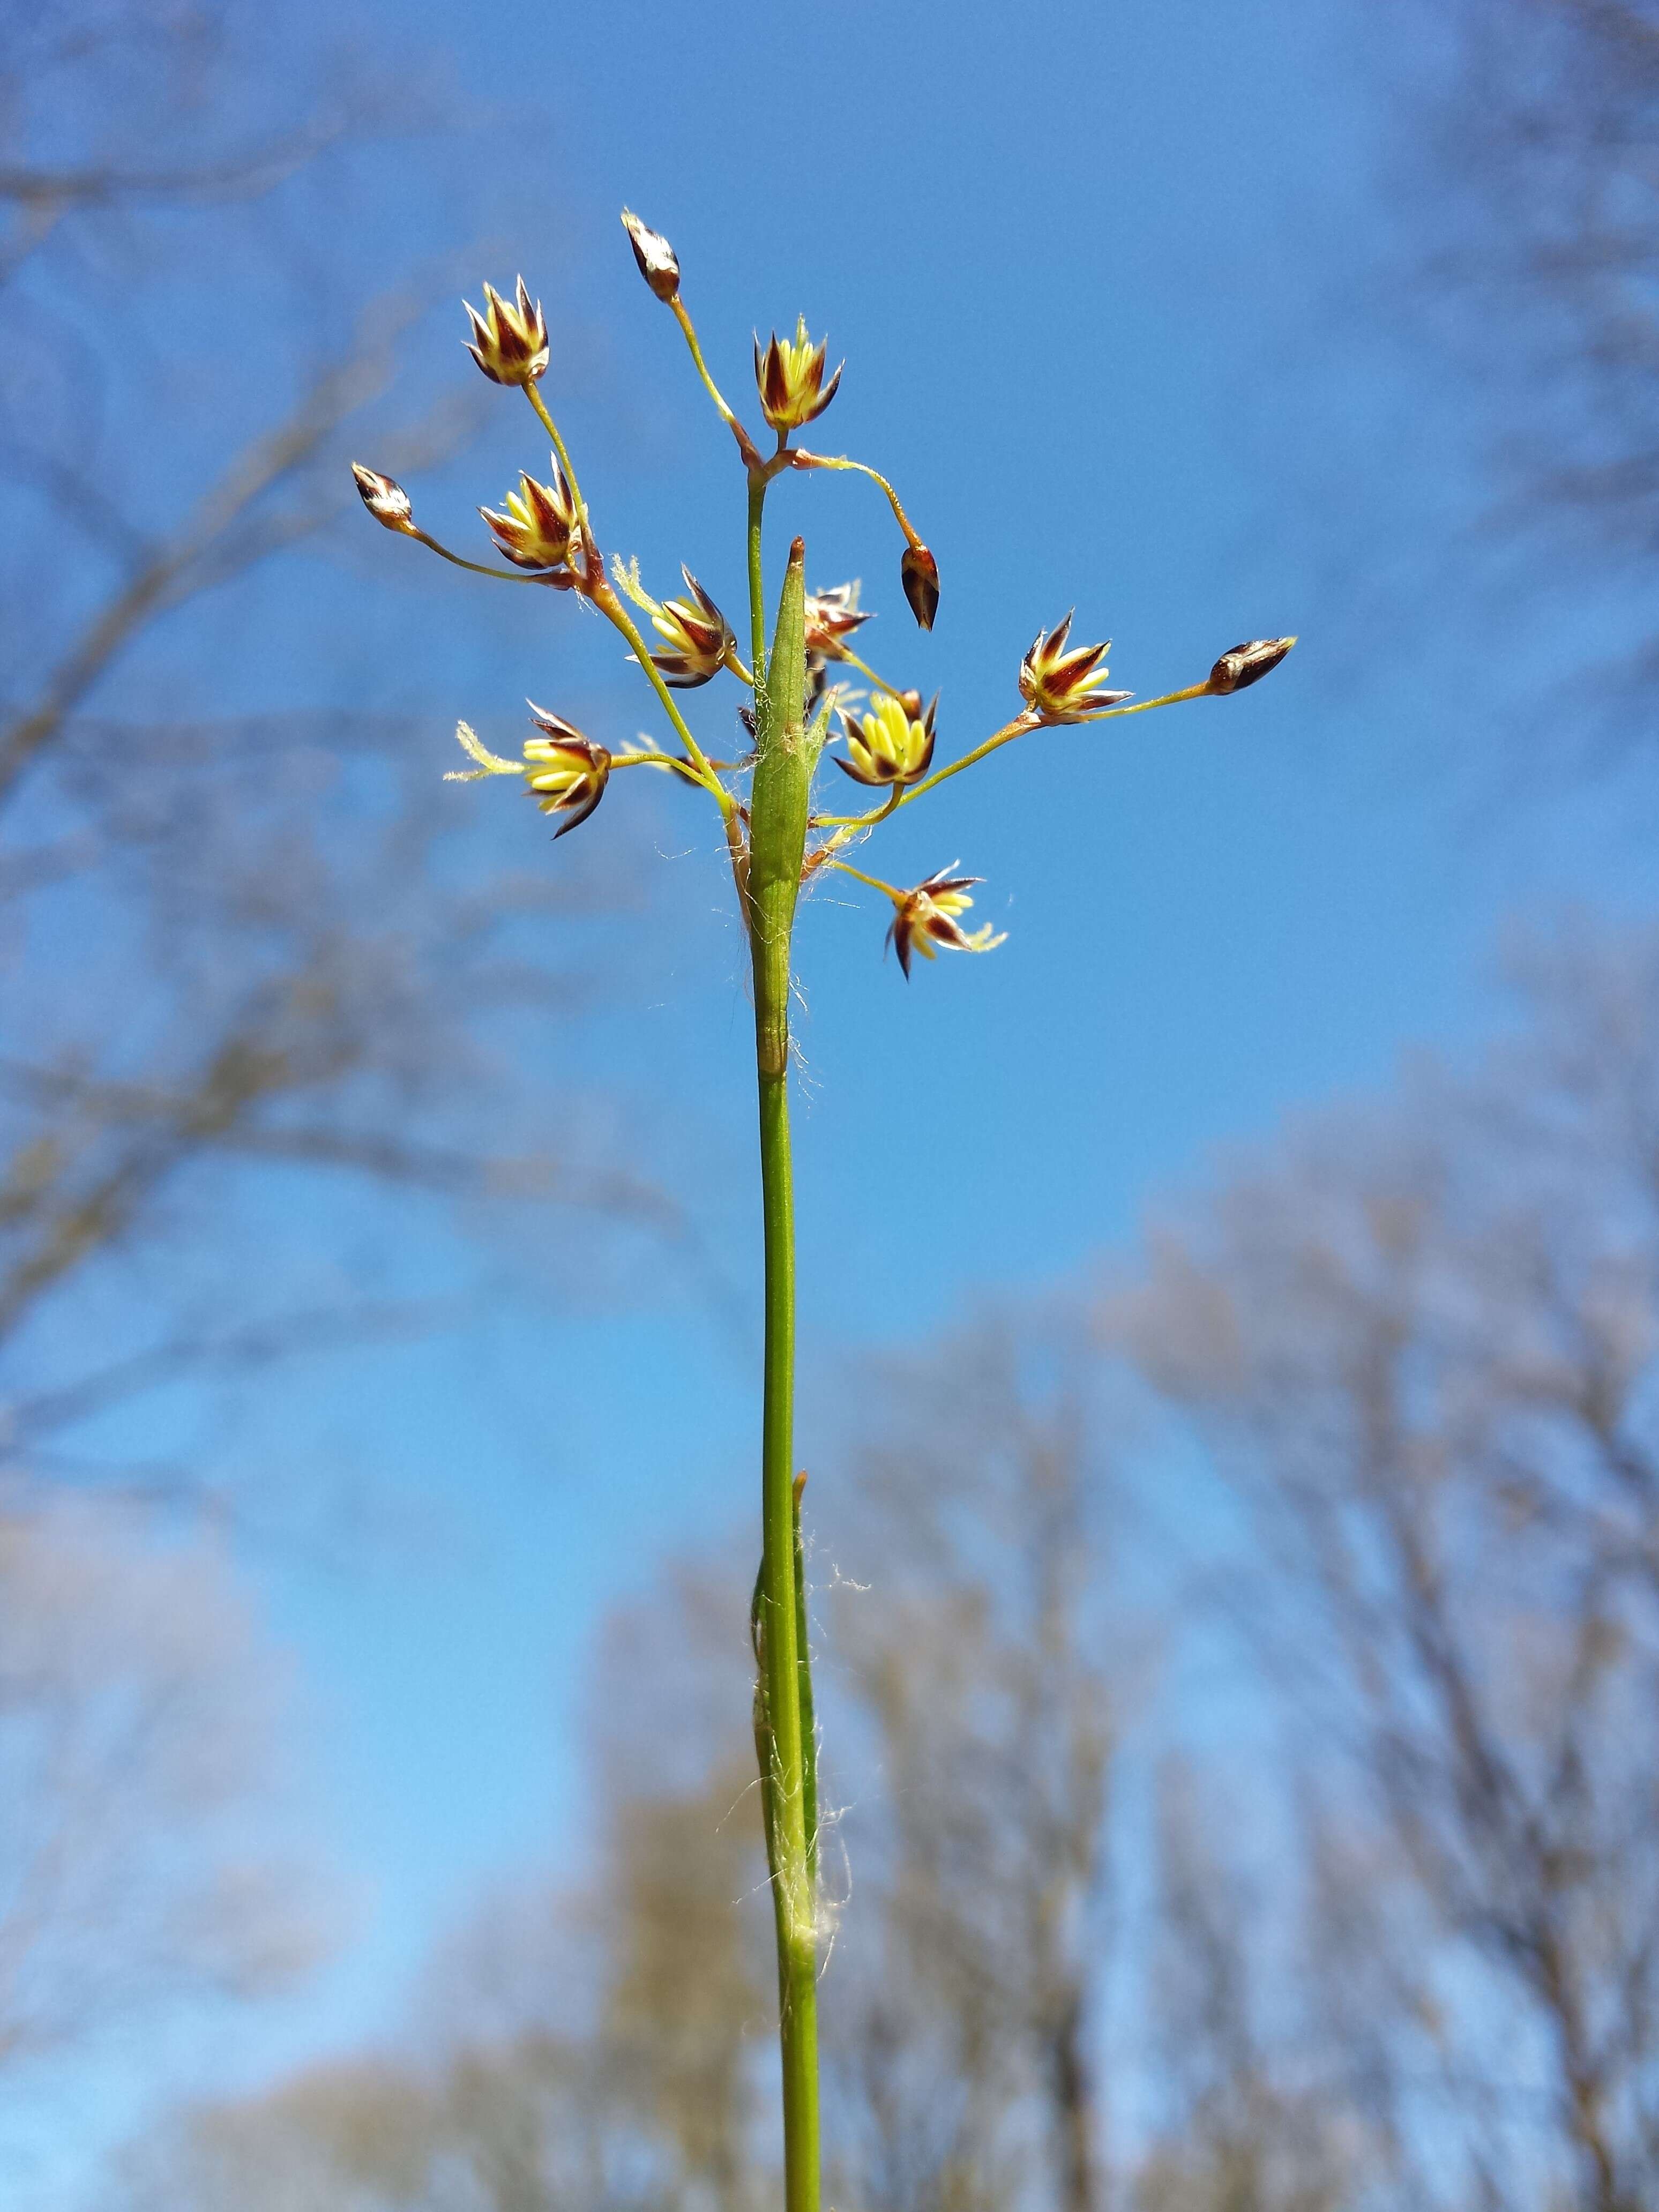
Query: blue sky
x=1123 y=296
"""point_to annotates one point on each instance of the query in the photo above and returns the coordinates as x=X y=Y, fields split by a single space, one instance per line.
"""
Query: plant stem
x=783 y=774
x=478 y=568
x=552 y=430
x=757 y=483
x=792 y=1899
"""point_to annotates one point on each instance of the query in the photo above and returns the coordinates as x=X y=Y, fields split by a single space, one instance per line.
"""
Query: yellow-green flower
x=889 y=745
x=566 y=771
x=790 y=375
x=926 y=919
x=697 y=634
x=509 y=342
x=536 y=529
x=1247 y=664
x=1064 y=687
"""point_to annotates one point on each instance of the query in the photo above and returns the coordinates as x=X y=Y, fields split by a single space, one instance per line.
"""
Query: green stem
x=604 y=598
x=745 y=443
x=809 y=1725
x=846 y=868
x=880 y=682
x=1145 y=706
x=552 y=430
x=478 y=568
x=802 y=459
x=1018 y=728
x=782 y=780
x=791 y=1883
x=757 y=483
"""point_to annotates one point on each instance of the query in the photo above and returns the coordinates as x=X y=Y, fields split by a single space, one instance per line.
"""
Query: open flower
x=509 y=343
x=890 y=745
x=386 y=501
x=566 y=771
x=831 y=618
x=790 y=375
x=1064 y=687
x=1246 y=663
x=926 y=919
x=536 y=530
x=698 y=637
x=659 y=262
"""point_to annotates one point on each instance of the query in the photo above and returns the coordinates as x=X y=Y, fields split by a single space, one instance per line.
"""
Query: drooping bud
x=832 y=616
x=387 y=501
x=919 y=574
x=697 y=634
x=509 y=342
x=790 y=378
x=1247 y=664
x=891 y=745
x=927 y=920
x=659 y=262
x=536 y=529
x=1064 y=687
x=566 y=771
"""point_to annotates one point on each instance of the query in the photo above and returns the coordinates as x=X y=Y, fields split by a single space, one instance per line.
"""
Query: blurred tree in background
x=1425 y=1348
x=251 y=965
x=244 y=932
x=1543 y=127
x=143 y=1850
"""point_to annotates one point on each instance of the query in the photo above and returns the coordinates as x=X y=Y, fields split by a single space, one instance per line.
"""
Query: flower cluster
x=832 y=617
x=509 y=342
x=539 y=522
x=1062 y=686
x=926 y=919
x=700 y=640
x=893 y=744
x=790 y=377
x=543 y=532
x=566 y=771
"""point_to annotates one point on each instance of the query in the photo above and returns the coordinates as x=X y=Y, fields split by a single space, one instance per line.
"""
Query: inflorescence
x=545 y=532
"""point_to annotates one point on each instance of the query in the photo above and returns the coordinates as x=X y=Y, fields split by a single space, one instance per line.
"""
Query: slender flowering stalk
x=776 y=843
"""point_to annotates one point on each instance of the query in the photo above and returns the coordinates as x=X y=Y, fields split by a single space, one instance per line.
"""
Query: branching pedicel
x=776 y=841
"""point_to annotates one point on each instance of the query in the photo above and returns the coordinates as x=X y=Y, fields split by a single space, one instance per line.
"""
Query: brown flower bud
x=388 y=502
x=659 y=262
x=919 y=574
x=1247 y=664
